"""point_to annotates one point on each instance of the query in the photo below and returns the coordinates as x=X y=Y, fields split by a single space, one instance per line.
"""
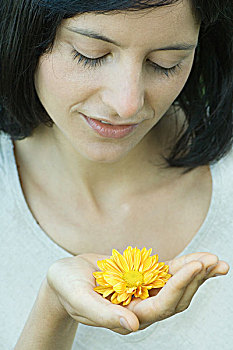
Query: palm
x=73 y=281
x=176 y=295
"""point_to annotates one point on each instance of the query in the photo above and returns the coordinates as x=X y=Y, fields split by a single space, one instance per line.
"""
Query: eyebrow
x=89 y=33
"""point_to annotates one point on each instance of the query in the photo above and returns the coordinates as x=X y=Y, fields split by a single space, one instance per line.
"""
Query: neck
x=57 y=167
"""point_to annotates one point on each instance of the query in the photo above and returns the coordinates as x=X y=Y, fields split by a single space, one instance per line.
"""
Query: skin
x=134 y=93
x=127 y=90
x=72 y=283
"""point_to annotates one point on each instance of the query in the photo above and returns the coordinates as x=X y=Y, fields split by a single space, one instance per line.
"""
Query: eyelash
x=97 y=62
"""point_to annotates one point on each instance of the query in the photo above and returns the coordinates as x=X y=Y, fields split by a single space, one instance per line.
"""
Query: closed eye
x=87 y=61
x=97 y=62
x=166 y=71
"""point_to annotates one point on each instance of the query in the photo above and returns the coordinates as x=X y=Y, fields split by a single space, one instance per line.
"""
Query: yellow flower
x=130 y=275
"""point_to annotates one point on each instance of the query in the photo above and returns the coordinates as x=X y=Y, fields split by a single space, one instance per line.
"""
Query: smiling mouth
x=103 y=121
x=108 y=130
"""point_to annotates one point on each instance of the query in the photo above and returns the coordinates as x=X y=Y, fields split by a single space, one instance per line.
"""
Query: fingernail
x=125 y=324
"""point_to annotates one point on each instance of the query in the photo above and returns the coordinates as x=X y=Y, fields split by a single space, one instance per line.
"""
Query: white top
x=26 y=253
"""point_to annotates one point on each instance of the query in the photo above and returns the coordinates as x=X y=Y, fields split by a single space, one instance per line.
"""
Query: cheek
x=165 y=90
x=59 y=85
x=170 y=88
x=164 y=93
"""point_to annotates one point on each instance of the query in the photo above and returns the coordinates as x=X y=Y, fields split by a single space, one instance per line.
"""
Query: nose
x=124 y=93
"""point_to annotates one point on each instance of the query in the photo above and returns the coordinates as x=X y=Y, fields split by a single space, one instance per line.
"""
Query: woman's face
x=136 y=82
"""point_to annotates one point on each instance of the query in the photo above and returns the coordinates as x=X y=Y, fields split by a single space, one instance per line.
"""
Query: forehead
x=166 y=24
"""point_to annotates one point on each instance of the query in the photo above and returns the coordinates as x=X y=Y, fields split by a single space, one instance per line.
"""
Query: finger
x=164 y=304
x=209 y=262
x=221 y=269
x=92 y=309
x=177 y=263
x=80 y=300
x=200 y=278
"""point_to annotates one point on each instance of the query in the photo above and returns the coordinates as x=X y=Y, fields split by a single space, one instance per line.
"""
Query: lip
x=109 y=131
x=108 y=121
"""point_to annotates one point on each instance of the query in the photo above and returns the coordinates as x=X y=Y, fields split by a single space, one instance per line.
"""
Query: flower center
x=133 y=278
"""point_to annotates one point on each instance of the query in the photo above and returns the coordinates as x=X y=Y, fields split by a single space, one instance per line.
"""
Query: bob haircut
x=28 y=30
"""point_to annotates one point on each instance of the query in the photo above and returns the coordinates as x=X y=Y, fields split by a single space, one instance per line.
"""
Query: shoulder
x=2 y=149
x=5 y=149
x=222 y=176
x=5 y=153
x=225 y=165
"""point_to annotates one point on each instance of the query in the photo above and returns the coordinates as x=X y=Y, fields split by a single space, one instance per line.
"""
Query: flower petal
x=136 y=258
x=147 y=264
x=108 y=292
x=146 y=254
x=143 y=253
x=161 y=265
x=147 y=277
x=154 y=268
x=120 y=260
x=153 y=278
x=114 y=298
x=149 y=286
x=158 y=284
x=111 y=279
x=110 y=264
x=138 y=292
x=128 y=257
x=145 y=293
x=120 y=287
x=97 y=274
x=162 y=274
x=100 y=289
x=101 y=264
x=103 y=283
x=131 y=290
x=127 y=301
x=122 y=297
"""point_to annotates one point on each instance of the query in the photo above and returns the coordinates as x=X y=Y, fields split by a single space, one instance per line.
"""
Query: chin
x=105 y=153
x=105 y=158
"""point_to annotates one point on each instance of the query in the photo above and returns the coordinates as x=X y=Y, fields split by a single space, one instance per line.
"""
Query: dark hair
x=28 y=29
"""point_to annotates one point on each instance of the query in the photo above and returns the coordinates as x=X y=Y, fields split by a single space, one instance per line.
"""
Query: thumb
x=94 y=310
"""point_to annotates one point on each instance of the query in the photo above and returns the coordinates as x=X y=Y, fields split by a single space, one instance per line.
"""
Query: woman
x=73 y=188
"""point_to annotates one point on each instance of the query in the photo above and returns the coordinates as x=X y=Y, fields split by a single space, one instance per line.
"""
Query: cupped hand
x=72 y=281
x=188 y=272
